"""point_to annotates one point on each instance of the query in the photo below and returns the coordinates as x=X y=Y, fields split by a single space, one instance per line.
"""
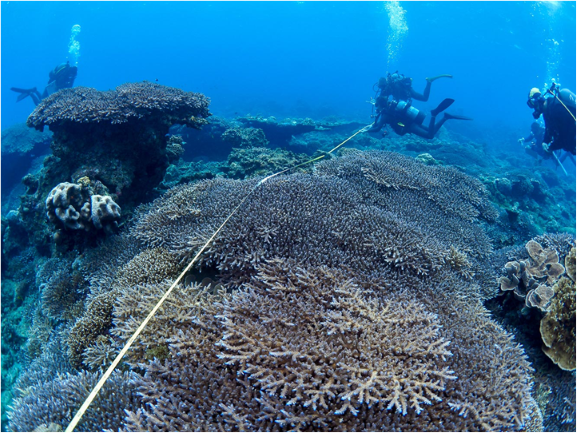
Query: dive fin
x=454 y=116
x=431 y=79
x=24 y=93
x=442 y=106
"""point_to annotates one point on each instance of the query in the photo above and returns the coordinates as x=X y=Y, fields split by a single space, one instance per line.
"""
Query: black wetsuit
x=537 y=138
x=398 y=114
x=559 y=124
x=61 y=77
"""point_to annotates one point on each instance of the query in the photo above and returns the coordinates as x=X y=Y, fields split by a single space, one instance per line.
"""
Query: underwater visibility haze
x=364 y=214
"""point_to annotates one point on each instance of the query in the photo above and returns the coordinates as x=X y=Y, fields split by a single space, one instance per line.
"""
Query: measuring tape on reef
x=132 y=339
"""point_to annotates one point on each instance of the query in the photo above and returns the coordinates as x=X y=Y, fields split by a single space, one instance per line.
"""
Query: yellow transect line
x=134 y=336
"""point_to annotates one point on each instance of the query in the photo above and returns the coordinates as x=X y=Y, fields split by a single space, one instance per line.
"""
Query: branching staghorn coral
x=341 y=299
x=313 y=350
x=336 y=217
x=56 y=401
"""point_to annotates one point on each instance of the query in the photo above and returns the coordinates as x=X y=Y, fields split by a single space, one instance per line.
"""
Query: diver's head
x=536 y=101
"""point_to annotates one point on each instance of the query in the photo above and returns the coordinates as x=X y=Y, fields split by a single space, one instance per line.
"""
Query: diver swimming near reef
x=535 y=139
x=401 y=88
x=405 y=118
x=61 y=77
x=558 y=113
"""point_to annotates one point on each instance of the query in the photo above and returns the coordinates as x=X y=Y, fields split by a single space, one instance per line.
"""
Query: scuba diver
x=535 y=139
x=61 y=77
x=559 y=115
x=401 y=88
x=404 y=118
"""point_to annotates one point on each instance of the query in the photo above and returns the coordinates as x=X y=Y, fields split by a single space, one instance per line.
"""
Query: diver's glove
x=431 y=79
x=521 y=140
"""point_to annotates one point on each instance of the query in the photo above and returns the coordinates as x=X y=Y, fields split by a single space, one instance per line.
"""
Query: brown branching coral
x=377 y=353
x=454 y=192
x=313 y=350
x=345 y=309
x=459 y=262
x=148 y=267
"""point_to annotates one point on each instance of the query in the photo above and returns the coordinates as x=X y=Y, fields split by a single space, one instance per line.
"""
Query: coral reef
x=56 y=401
x=348 y=221
x=311 y=349
x=117 y=140
x=558 y=325
x=331 y=304
x=245 y=137
x=71 y=206
x=128 y=102
x=532 y=279
x=260 y=161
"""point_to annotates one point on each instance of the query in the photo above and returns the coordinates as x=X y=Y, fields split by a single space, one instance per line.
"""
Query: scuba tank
x=405 y=113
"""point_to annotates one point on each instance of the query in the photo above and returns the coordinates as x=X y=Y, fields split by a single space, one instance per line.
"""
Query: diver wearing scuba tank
x=558 y=113
x=61 y=77
x=404 y=118
x=401 y=88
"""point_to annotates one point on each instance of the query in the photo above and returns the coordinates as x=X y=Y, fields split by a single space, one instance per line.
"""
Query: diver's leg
x=421 y=131
x=434 y=126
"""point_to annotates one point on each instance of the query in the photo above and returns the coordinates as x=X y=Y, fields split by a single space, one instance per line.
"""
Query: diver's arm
x=529 y=138
x=424 y=96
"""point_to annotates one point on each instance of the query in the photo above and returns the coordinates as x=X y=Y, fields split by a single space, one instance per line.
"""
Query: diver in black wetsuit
x=61 y=77
x=535 y=140
x=559 y=115
x=401 y=88
x=404 y=118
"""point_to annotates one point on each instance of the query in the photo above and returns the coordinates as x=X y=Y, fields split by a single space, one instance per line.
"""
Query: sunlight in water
x=551 y=4
x=74 y=46
x=398 y=28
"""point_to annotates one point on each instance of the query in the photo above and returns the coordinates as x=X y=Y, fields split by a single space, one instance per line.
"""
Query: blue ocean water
x=298 y=58
x=317 y=60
